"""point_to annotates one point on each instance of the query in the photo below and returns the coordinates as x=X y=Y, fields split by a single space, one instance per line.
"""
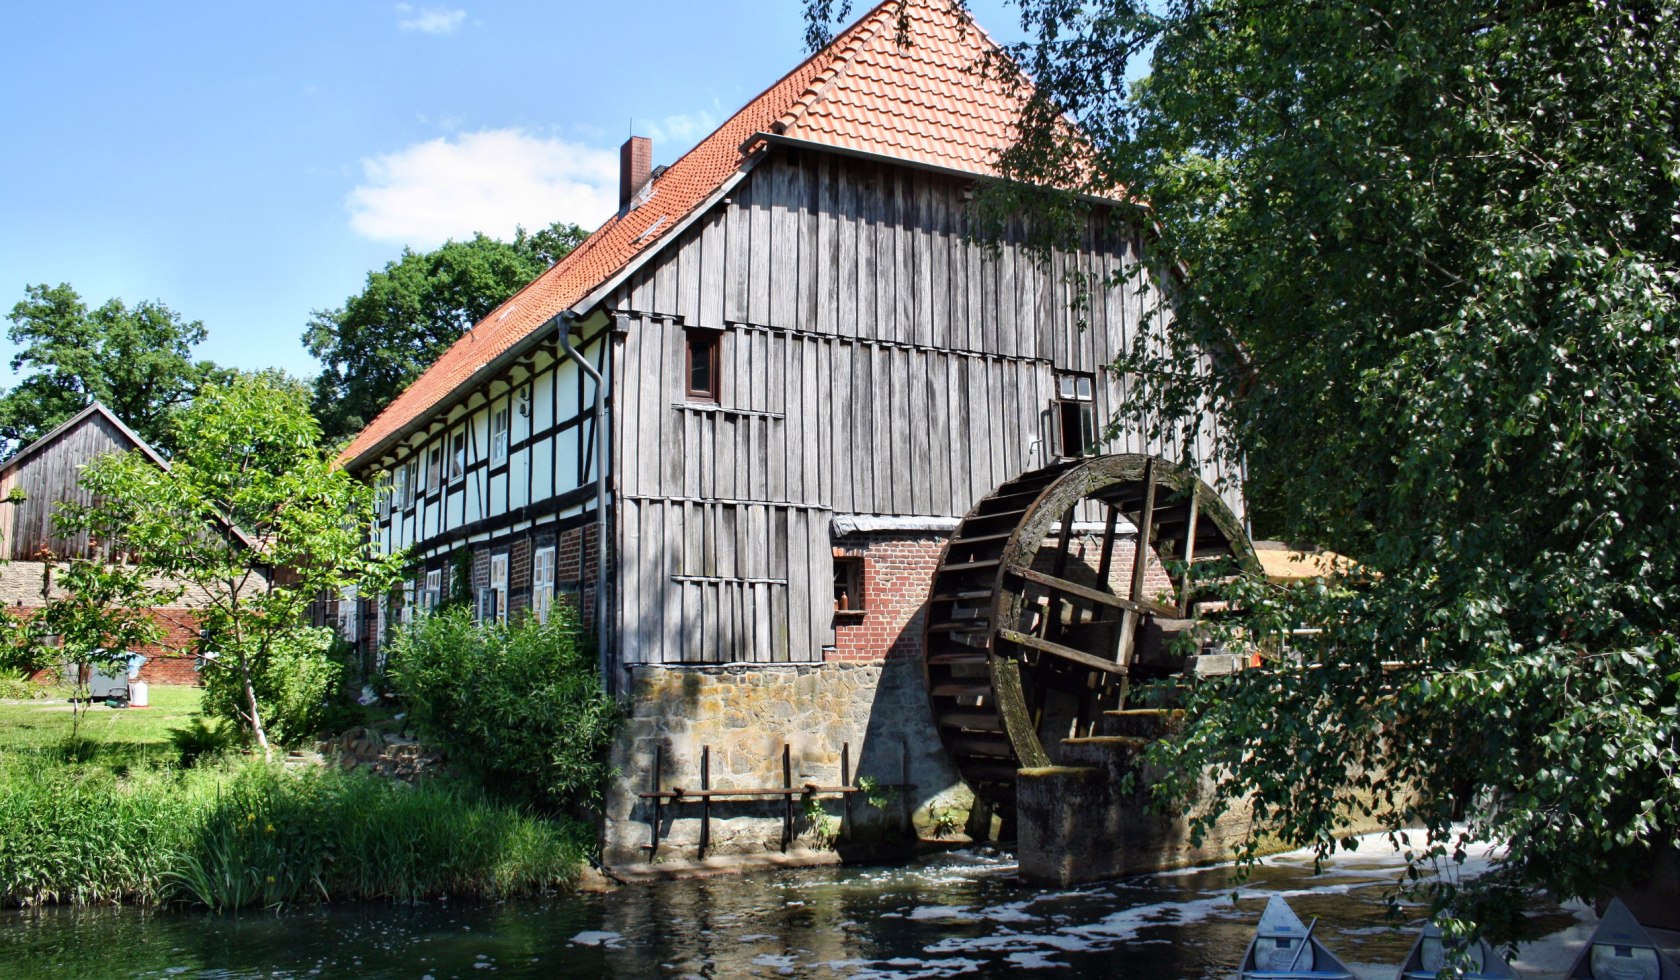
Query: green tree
x=256 y=521
x=1432 y=250
x=98 y=619
x=137 y=360
x=411 y=311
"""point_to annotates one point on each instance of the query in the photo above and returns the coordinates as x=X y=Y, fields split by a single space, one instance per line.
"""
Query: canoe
x=1429 y=955
x=1621 y=949
x=1284 y=949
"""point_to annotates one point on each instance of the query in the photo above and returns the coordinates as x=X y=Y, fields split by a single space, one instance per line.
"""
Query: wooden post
x=1053 y=622
x=1106 y=564
x=845 y=784
x=706 y=800
x=658 y=801
x=787 y=798
x=1140 y=566
x=904 y=789
x=1185 y=584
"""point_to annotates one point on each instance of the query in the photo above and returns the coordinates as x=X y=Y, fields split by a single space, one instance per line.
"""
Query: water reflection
x=961 y=914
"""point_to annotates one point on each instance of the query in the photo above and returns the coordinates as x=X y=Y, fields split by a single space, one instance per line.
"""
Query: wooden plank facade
x=872 y=360
x=48 y=473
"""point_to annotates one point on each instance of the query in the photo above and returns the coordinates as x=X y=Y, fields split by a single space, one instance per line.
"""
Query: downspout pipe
x=568 y=322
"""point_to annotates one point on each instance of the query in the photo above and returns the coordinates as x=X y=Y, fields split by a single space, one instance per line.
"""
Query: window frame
x=1082 y=407
x=852 y=567
x=542 y=584
x=433 y=596
x=458 y=456
x=411 y=481
x=501 y=442
x=713 y=343
x=434 y=467
x=498 y=564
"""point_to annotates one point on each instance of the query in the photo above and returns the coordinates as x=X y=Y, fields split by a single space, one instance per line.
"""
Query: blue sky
x=249 y=163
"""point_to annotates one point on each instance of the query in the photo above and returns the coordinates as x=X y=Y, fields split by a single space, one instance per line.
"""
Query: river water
x=959 y=914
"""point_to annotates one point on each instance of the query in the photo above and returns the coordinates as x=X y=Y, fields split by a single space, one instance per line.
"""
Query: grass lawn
x=114 y=737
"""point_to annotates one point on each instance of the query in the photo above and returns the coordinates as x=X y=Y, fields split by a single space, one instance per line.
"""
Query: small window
x=492 y=599
x=499 y=422
x=433 y=596
x=458 y=457
x=386 y=499
x=434 y=468
x=703 y=347
x=542 y=582
x=409 y=484
x=1073 y=415
x=848 y=584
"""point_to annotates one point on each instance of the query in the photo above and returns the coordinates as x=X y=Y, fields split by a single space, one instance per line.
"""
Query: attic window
x=703 y=362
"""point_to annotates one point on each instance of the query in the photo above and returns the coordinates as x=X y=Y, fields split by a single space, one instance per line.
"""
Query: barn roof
x=96 y=408
x=922 y=102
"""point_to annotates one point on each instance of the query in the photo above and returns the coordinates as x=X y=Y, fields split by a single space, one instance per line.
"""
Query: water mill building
x=741 y=423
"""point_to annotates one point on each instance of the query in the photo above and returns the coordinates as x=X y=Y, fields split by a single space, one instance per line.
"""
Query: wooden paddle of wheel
x=1041 y=609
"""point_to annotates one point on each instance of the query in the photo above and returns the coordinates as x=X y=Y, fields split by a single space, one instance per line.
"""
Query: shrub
x=199 y=740
x=293 y=684
x=16 y=685
x=521 y=706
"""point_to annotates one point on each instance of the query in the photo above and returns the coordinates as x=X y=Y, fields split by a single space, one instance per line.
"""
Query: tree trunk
x=251 y=706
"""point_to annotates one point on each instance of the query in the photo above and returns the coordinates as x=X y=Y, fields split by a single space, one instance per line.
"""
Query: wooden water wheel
x=1042 y=610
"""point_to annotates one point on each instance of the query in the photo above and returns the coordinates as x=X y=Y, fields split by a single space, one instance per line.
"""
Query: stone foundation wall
x=746 y=713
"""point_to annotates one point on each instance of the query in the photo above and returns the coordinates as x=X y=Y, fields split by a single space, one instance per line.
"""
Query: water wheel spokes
x=1052 y=594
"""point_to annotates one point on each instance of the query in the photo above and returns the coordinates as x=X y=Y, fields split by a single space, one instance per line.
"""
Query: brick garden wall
x=26 y=585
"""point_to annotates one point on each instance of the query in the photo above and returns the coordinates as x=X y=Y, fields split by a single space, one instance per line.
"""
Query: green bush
x=15 y=685
x=521 y=706
x=294 y=684
x=248 y=834
x=200 y=740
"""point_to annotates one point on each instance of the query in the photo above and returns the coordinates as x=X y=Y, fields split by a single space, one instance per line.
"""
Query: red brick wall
x=897 y=569
x=170 y=660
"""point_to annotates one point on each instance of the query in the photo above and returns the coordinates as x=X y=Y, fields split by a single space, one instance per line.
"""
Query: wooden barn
x=739 y=423
x=33 y=484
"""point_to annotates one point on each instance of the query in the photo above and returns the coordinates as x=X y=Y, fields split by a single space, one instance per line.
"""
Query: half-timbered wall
x=873 y=362
x=546 y=473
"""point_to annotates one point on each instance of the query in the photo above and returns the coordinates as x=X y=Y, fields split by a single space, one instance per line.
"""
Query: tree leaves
x=1432 y=249
x=411 y=311
x=252 y=516
x=136 y=360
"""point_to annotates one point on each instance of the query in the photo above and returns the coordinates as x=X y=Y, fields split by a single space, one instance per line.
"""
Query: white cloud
x=429 y=20
x=675 y=134
x=490 y=181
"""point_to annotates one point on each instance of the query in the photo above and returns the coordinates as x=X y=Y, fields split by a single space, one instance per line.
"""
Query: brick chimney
x=635 y=165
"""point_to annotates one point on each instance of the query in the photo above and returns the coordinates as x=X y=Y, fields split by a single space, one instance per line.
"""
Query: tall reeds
x=245 y=834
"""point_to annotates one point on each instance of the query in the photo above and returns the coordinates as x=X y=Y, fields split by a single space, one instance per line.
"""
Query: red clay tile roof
x=924 y=103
